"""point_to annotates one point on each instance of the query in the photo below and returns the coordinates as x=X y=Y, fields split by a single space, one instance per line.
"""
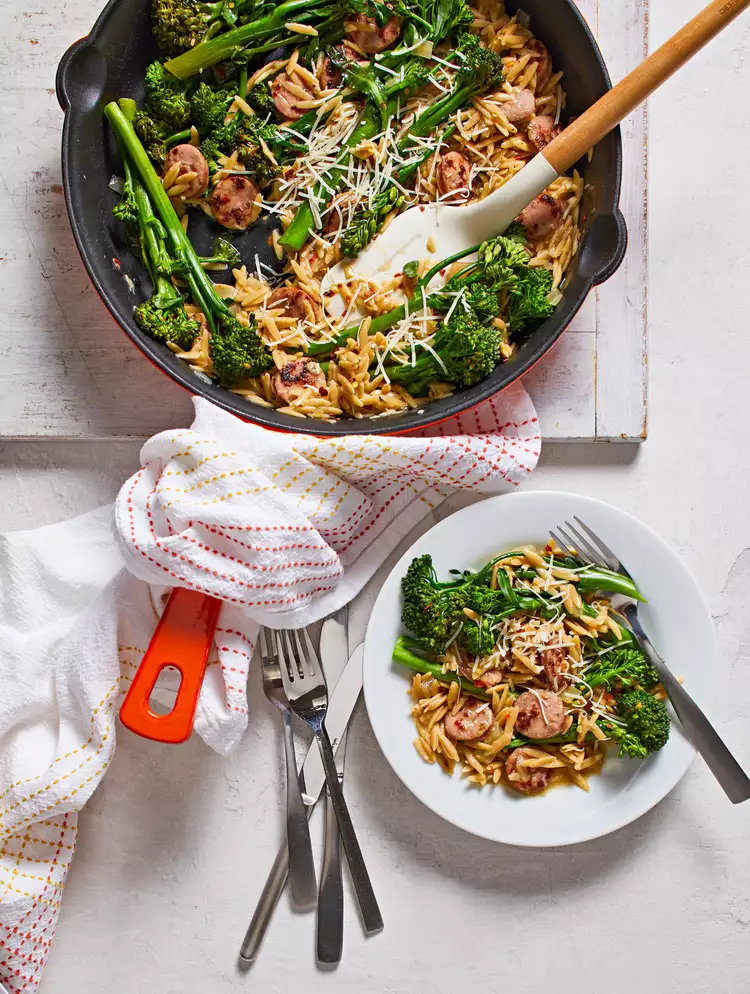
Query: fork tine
x=286 y=654
x=612 y=561
x=263 y=640
x=588 y=548
x=577 y=551
x=560 y=542
x=308 y=654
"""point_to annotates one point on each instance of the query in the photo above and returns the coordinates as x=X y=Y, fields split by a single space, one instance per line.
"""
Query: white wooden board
x=70 y=372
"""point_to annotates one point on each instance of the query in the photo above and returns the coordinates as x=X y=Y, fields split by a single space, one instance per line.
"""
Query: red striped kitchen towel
x=283 y=528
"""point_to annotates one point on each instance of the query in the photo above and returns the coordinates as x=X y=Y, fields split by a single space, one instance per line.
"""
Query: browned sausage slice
x=541 y=714
x=491 y=678
x=189 y=160
x=236 y=202
x=541 y=56
x=453 y=177
x=294 y=378
x=542 y=130
x=541 y=217
x=330 y=75
x=521 y=107
x=339 y=212
x=471 y=721
x=366 y=35
x=293 y=303
x=554 y=661
x=528 y=780
x=286 y=95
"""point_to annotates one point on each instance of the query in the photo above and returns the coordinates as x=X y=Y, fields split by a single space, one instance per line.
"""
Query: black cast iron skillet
x=110 y=63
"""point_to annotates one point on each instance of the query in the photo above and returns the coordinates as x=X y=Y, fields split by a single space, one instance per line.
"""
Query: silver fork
x=301 y=864
x=307 y=694
x=590 y=549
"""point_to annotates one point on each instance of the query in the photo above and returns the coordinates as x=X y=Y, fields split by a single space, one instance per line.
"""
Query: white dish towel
x=284 y=528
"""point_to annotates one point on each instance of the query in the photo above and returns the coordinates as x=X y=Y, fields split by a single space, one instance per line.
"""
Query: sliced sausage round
x=469 y=722
x=236 y=202
x=541 y=714
x=520 y=107
x=189 y=160
x=339 y=212
x=541 y=56
x=527 y=780
x=293 y=303
x=554 y=661
x=364 y=32
x=453 y=177
x=286 y=95
x=491 y=678
x=542 y=130
x=292 y=380
x=330 y=75
x=541 y=217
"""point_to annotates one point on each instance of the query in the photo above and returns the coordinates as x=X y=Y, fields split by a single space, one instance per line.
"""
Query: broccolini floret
x=625 y=666
x=646 y=717
x=166 y=101
x=153 y=136
x=224 y=253
x=429 y=612
x=463 y=352
x=179 y=25
x=238 y=351
x=529 y=299
x=478 y=637
x=209 y=107
x=163 y=315
x=261 y=100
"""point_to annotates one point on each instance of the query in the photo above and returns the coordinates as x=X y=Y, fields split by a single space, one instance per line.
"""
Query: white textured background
x=175 y=846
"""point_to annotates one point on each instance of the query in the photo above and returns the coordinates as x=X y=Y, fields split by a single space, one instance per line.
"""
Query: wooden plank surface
x=70 y=372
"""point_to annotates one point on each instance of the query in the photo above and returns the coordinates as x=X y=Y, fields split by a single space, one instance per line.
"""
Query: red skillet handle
x=182 y=639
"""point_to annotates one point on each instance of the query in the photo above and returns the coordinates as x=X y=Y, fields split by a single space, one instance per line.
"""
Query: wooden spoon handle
x=606 y=113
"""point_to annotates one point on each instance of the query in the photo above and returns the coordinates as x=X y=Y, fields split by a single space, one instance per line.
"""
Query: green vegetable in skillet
x=163 y=316
x=180 y=25
x=481 y=69
x=237 y=350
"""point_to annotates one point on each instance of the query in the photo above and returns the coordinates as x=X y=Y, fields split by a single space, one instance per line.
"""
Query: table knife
x=330 y=921
x=340 y=708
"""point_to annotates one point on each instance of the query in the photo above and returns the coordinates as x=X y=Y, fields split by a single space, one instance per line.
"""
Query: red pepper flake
x=116 y=263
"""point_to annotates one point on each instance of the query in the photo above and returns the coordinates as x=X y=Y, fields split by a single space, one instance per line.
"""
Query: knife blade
x=330 y=919
x=340 y=707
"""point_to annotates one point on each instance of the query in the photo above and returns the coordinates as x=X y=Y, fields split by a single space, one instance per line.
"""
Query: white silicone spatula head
x=440 y=231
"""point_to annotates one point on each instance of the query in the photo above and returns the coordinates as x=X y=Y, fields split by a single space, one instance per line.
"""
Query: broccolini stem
x=178 y=139
x=592 y=580
x=296 y=234
x=201 y=286
x=385 y=321
x=208 y=53
x=404 y=655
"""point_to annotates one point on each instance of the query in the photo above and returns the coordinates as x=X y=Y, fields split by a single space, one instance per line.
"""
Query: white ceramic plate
x=676 y=618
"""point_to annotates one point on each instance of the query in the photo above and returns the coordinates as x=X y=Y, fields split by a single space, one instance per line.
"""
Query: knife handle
x=330 y=924
x=267 y=902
